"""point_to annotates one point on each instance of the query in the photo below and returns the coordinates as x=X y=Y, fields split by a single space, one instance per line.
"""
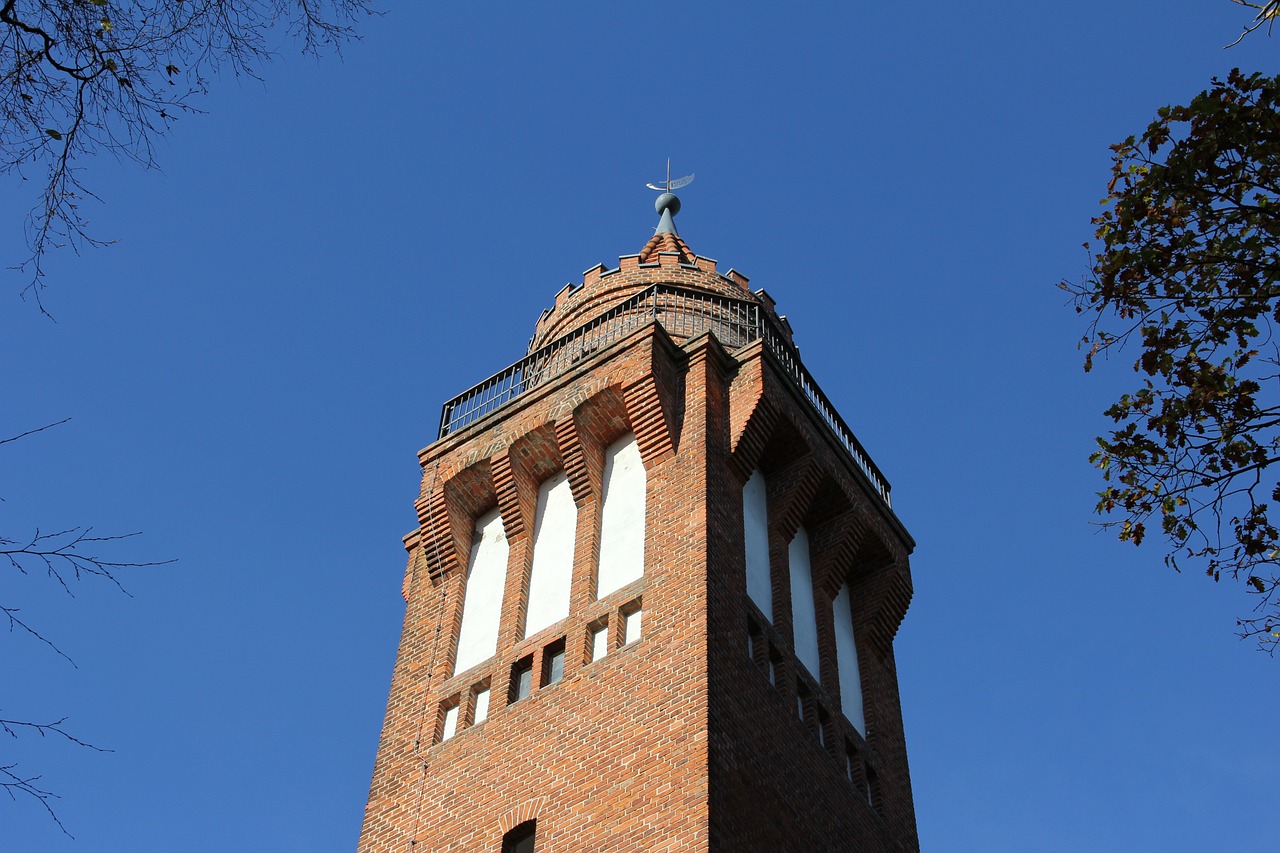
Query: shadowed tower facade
x=652 y=595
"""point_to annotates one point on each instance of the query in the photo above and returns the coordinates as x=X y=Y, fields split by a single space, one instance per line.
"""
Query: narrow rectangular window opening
x=870 y=789
x=599 y=645
x=802 y=698
x=450 y=727
x=521 y=678
x=775 y=668
x=755 y=641
x=481 y=705
x=553 y=663
x=823 y=722
x=631 y=626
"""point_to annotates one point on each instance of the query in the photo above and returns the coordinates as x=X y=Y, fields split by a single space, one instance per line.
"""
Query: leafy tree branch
x=1186 y=277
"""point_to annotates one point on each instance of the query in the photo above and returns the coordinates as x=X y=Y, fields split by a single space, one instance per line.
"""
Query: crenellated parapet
x=602 y=288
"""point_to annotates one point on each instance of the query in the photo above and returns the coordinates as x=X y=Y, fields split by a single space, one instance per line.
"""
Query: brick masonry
x=677 y=742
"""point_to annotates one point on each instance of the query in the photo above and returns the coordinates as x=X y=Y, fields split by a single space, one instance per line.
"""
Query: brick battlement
x=602 y=288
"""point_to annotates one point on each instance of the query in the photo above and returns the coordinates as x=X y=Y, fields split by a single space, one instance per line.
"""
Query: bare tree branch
x=1267 y=13
x=64 y=557
x=80 y=78
x=16 y=784
x=33 y=431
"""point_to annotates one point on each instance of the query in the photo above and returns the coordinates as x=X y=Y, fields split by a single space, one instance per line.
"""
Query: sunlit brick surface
x=675 y=742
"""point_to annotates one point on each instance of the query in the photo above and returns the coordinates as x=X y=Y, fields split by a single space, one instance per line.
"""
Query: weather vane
x=668 y=185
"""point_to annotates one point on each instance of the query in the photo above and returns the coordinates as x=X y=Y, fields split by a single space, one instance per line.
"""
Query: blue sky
x=330 y=254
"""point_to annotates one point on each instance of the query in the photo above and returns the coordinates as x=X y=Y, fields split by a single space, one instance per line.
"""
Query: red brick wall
x=775 y=785
x=676 y=742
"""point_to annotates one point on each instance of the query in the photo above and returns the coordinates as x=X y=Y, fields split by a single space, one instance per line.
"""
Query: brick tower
x=652 y=595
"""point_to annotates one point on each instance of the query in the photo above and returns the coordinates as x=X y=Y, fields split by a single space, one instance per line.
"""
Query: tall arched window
x=804 y=622
x=621 y=517
x=755 y=534
x=554 y=532
x=847 y=660
x=482 y=599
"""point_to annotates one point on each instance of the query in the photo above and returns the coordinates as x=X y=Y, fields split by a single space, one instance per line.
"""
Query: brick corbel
x=890 y=606
x=574 y=459
x=749 y=444
x=791 y=492
x=439 y=539
x=652 y=423
x=835 y=544
x=655 y=403
x=517 y=520
x=447 y=516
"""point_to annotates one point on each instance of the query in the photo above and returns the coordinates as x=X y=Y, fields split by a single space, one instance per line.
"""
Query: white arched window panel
x=755 y=534
x=847 y=661
x=621 y=517
x=804 y=622
x=554 y=532
x=482 y=600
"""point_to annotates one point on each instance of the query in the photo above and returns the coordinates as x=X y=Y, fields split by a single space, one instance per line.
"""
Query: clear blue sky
x=330 y=254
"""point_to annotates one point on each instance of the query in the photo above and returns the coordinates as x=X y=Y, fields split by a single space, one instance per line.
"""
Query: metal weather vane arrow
x=668 y=185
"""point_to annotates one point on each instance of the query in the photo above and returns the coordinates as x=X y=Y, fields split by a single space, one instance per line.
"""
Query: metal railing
x=683 y=313
x=789 y=358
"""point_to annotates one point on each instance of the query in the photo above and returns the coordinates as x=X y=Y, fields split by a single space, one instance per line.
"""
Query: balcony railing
x=684 y=314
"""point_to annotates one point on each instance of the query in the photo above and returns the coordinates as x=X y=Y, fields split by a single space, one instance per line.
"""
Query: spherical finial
x=667 y=201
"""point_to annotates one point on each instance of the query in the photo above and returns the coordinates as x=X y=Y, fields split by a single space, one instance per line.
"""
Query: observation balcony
x=684 y=313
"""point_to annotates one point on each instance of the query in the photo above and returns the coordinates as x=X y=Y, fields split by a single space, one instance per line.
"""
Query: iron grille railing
x=683 y=313
x=790 y=360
